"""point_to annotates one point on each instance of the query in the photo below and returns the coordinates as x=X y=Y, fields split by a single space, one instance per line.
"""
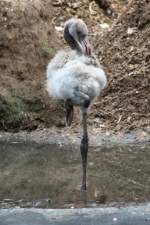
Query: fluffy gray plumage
x=72 y=74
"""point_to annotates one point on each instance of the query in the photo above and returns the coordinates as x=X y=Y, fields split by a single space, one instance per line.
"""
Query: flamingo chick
x=75 y=76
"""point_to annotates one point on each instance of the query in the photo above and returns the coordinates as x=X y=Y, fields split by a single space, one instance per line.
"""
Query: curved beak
x=86 y=47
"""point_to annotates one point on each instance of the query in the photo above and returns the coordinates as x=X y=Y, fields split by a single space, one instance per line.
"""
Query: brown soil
x=125 y=54
x=30 y=36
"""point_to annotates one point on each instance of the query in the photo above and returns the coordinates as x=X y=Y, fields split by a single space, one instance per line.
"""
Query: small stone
x=104 y=26
x=115 y=219
x=131 y=31
x=91 y=163
x=59 y=28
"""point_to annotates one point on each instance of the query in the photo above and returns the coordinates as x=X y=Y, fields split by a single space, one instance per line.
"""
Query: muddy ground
x=31 y=33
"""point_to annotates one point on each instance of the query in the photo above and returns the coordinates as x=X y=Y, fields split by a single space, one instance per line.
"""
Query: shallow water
x=49 y=176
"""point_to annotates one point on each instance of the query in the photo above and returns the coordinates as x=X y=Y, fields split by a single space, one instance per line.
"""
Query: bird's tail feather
x=69 y=112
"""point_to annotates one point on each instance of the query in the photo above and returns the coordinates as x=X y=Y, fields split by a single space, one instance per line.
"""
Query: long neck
x=70 y=40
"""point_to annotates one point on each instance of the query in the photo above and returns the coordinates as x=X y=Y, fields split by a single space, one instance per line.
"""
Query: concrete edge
x=131 y=209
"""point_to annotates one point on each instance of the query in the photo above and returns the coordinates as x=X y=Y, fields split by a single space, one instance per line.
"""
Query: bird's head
x=76 y=35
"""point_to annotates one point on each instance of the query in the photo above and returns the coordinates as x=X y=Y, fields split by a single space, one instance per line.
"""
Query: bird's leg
x=84 y=149
x=69 y=111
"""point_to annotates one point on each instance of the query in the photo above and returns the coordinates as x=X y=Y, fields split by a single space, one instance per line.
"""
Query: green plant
x=45 y=49
x=14 y=105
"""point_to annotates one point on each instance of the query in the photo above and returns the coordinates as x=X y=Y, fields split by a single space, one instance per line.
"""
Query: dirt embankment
x=125 y=53
x=30 y=36
x=26 y=31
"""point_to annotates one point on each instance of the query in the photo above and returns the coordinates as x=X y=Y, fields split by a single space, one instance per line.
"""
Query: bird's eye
x=81 y=35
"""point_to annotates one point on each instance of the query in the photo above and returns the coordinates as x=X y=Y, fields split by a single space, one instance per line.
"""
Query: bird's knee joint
x=85 y=139
x=84 y=144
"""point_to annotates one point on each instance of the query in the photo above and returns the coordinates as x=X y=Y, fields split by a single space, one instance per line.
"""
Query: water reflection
x=48 y=176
